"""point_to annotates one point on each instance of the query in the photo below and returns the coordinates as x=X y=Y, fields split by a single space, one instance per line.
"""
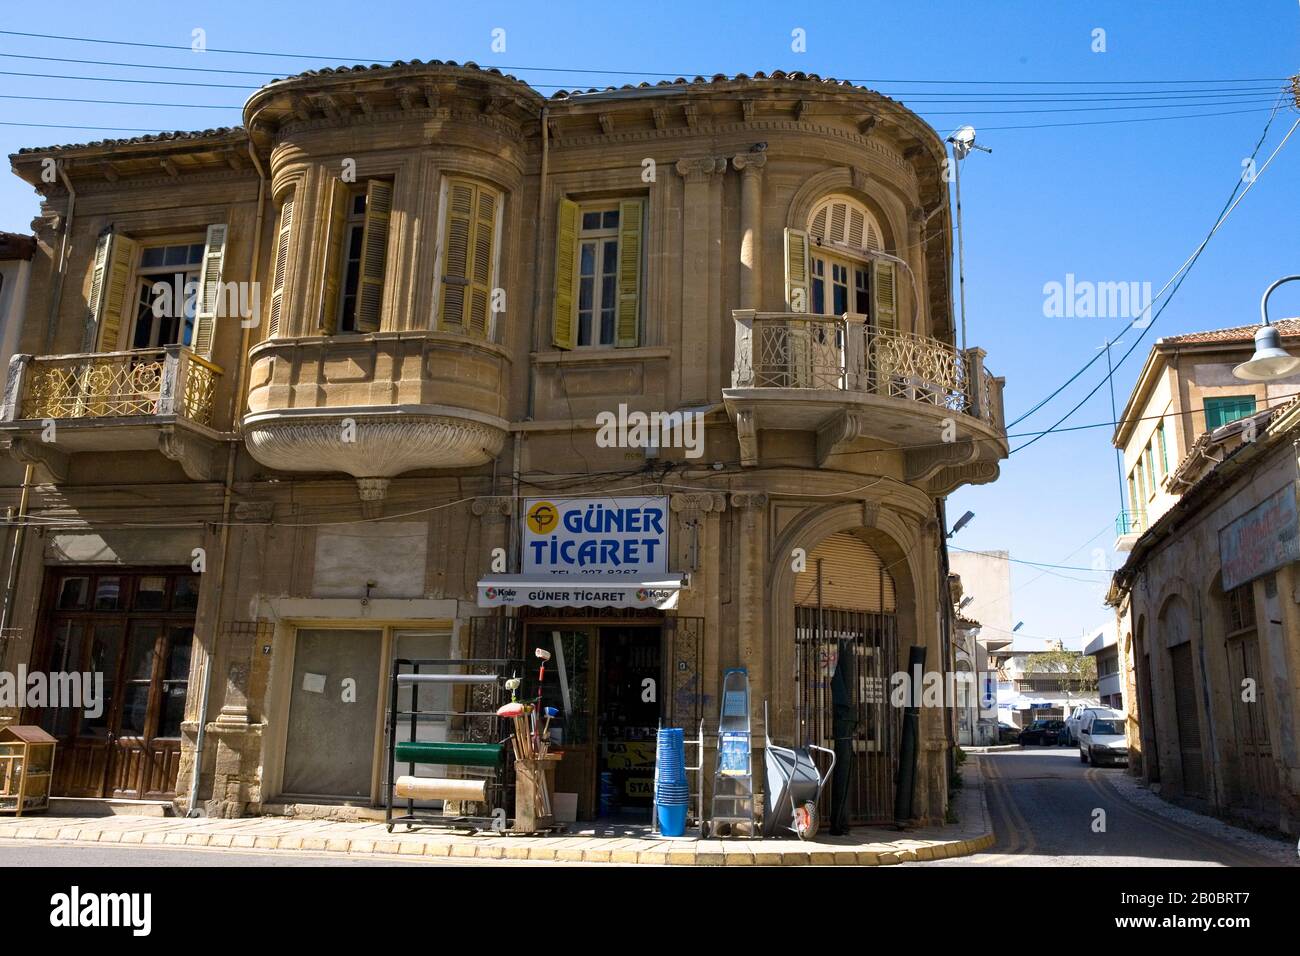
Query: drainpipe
x=11 y=586
x=945 y=609
x=56 y=295
x=232 y=454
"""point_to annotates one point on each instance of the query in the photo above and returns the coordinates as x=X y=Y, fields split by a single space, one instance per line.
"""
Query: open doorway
x=628 y=721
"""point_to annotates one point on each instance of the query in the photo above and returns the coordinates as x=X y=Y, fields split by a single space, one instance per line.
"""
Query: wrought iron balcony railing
x=1130 y=522
x=171 y=381
x=792 y=350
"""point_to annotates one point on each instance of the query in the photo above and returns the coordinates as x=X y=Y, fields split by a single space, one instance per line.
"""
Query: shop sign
x=1262 y=540
x=604 y=537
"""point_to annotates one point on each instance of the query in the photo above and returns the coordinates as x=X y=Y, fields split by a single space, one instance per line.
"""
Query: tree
x=1073 y=671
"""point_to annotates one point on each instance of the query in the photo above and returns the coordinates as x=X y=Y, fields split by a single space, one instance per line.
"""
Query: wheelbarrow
x=794 y=787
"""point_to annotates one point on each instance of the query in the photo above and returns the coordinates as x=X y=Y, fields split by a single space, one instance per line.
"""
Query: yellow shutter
x=458 y=237
x=210 y=299
x=480 y=290
x=796 y=271
x=113 y=298
x=374 y=250
x=281 y=268
x=98 y=274
x=884 y=296
x=335 y=241
x=630 y=222
x=566 y=250
x=852 y=577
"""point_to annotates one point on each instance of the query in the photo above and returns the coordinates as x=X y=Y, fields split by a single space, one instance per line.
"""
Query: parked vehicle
x=1042 y=732
x=1102 y=739
x=1008 y=733
x=1075 y=716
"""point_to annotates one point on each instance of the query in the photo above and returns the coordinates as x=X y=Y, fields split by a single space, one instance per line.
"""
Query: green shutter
x=566 y=250
x=796 y=271
x=631 y=216
x=210 y=299
x=1164 y=450
x=1230 y=408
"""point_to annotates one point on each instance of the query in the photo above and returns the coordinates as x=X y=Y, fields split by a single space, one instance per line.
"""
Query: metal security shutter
x=1189 y=724
x=852 y=577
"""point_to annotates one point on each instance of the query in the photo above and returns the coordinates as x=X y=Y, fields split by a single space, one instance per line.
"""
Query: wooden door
x=1187 y=715
x=1259 y=779
x=144 y=752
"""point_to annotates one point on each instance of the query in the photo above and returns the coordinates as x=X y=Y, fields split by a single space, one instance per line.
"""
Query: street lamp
x=961 y=523
x=1270 y=360
x=962 y=141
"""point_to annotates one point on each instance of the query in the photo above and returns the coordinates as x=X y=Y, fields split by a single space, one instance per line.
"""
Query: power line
x=1236 y=186
x=1181 y=275
x=606 y=72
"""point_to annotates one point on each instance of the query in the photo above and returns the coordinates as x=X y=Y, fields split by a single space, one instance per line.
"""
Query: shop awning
x=548 y=590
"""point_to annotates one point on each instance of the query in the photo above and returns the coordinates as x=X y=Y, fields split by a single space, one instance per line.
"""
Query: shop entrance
x=606 y=682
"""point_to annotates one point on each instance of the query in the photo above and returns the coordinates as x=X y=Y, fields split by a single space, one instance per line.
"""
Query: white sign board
x=598 y=537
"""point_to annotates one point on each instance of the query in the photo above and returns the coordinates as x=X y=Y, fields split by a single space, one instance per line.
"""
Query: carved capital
x=700 y=170
x=492 y=506
x=870 y=514
x=749 y=499
x=749 y=164
x=254 y=512
x=702 y=502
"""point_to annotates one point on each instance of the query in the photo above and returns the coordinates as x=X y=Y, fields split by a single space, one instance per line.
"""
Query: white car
x=1101 y=737
x=1076 y=717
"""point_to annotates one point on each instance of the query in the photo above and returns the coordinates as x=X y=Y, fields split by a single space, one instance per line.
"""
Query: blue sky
x=1107 y=203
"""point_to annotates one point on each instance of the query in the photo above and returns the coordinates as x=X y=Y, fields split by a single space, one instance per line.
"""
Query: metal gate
x=1189 y=724
x=821 y=636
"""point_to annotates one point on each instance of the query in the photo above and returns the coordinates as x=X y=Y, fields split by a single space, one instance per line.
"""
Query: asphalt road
x=1045 y=807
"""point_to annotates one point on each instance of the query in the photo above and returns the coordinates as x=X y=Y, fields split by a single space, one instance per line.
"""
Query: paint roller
x=543 y=655
x=515 y=711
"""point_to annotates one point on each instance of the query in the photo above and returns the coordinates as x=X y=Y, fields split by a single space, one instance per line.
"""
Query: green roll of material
x=450 y=754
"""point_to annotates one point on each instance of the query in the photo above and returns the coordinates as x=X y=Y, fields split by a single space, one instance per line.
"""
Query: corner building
x=455 y=277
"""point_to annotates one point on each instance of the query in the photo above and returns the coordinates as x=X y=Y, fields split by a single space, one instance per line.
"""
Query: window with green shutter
x=1164 y=449
x=1229 y=408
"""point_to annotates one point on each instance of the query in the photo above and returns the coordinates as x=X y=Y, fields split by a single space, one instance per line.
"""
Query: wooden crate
x=26 y=769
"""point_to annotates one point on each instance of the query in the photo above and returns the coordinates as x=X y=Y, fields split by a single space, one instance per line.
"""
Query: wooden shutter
x=281 y=268
x=335 y=241
x=484 y=237
x=108 y=291
x=884 y=296
x=566 y=251
x=210 y=288
x=374 y=250
x=458 y=235
x=98 y=275
x=631 y=216
x=796 y=271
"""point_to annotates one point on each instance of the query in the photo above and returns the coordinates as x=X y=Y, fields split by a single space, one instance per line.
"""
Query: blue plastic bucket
x=672 y=820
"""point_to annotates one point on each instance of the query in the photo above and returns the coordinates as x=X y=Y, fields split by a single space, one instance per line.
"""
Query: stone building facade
x=449 y=280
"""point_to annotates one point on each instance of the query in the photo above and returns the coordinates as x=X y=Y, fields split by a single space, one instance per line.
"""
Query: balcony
x=1129 y=526
x=145 y=399
x=375 y=406
x=832 y=376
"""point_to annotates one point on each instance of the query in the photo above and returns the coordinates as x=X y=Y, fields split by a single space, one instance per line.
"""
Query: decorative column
x=751 y=590
x=696 y=245
x=750 y=166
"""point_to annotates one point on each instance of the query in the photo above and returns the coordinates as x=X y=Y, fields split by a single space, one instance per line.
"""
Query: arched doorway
x=846 y=639
x=1176 y=634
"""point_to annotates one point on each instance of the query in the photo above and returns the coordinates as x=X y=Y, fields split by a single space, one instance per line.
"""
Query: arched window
x=840 y=220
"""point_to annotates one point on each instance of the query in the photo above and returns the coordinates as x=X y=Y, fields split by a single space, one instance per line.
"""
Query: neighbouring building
x=1102 y=643
x=388 y=424
x=1033 y=686
x=16 y=253
x=1207 y=597
x=986 y=583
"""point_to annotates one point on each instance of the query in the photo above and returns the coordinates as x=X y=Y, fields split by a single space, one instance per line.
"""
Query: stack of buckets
x=672 y=793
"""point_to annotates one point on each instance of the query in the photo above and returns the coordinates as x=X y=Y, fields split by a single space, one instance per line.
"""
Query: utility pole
x=1114 y=417
x=963 y=141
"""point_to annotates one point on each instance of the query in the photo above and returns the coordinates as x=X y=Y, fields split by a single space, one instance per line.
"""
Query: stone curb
x=907 y=849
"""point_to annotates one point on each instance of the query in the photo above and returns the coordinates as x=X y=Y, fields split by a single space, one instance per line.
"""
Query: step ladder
x=733 y=780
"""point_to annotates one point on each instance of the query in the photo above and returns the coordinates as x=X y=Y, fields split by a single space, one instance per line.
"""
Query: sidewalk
x=865 y=847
